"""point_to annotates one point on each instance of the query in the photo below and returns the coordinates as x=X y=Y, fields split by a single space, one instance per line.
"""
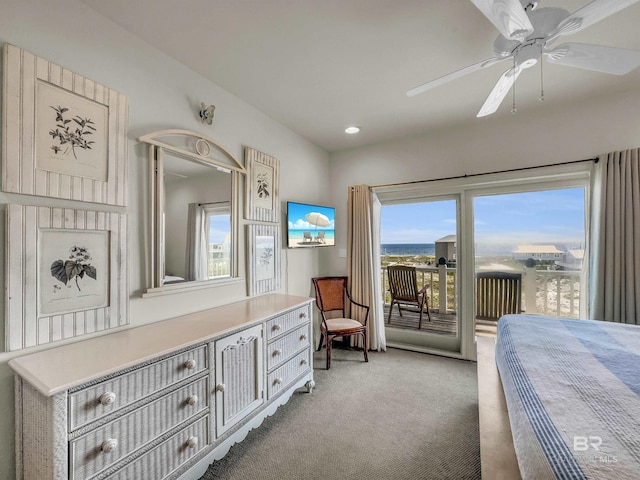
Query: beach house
x=286 y=79
x=548 y=253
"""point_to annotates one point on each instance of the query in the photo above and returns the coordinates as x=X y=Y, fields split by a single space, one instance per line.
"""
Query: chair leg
x=321 y=341
x=329 y=345
x=366 y=345
x=390 y=311
x=421 y=310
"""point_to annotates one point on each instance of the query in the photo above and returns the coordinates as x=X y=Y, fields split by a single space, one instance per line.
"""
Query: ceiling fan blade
x=616 y=61
x=588 y=15
x=495 y=98
x=452 y=76
x=507 y=16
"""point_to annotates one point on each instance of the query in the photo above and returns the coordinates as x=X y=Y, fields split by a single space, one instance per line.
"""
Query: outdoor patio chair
x=498 y=294
x=403 y=285
x=320 y=237
x=306 y=236
x=333 y=298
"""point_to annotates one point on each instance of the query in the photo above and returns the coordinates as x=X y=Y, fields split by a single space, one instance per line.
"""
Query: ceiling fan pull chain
x=513 y=107
x=541 y=78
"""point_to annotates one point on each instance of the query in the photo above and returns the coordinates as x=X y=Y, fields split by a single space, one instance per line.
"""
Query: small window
x=218 y=225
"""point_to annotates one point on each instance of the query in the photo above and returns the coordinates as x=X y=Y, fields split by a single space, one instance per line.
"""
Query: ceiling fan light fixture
x=352 y=130
x=525 y=34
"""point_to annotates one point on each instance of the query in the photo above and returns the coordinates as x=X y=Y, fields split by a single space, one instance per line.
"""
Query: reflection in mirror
x=194 y=191
x=197 y=221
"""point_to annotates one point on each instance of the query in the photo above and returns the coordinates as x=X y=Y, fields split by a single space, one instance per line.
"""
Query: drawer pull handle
x=276 y=327
x=303 y=337
x=192 y=442
x=277 y=381
x=303 y=361
x=107 y=398
x=303 y=315
x=109 y=445
x=220 y=387
x=190 y=364
x=192 y=400
x=277 y=352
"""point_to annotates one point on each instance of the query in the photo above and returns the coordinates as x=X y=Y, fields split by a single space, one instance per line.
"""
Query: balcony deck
x=441 y=324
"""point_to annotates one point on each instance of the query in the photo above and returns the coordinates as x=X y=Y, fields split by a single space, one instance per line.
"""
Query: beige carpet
x=403 y=415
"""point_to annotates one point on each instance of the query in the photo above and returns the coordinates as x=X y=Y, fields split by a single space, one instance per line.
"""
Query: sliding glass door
x=529 y=253
x=421 y=236
x=531 y=224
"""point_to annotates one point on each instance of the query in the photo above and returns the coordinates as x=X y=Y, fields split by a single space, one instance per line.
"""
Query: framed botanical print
x=63 y=135
x=66 y=274
x=263 y=259
x=262 y=186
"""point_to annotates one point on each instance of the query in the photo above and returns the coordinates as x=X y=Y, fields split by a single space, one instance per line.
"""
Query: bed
x=572 y=390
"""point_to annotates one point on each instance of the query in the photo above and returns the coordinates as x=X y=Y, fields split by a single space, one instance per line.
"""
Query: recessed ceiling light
x=352 y=130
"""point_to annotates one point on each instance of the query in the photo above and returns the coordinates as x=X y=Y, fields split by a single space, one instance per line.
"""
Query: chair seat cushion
x=343 y=324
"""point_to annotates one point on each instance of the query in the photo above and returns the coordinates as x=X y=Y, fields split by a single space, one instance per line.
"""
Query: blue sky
x=296 y=216
x=219 y=227
x=551 y=216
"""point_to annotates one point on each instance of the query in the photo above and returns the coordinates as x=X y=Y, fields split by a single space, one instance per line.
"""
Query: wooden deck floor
x=442 y=324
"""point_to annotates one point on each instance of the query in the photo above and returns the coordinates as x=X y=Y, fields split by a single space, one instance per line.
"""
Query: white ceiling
x=318 y=66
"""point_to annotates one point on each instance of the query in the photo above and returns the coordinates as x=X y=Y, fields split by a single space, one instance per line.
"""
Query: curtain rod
x=594 y=160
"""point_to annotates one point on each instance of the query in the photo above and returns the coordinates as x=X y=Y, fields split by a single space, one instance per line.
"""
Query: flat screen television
x=310 y=225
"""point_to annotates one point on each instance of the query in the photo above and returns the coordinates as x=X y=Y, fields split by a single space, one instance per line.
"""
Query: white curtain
x=196 y=259
x=614 y=262
x=363 y=259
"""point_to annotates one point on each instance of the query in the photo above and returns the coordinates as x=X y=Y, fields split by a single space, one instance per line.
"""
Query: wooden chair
x=320 y=237
x=403 y=285
x=497 y=294
x=306 y=237
x=332 y=295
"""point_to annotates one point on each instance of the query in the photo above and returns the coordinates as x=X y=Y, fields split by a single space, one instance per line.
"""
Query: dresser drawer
x=285 y=322
x=159 y=462
x=91 y=403
x=101 y=447
x=282 y=376
x=284 y=347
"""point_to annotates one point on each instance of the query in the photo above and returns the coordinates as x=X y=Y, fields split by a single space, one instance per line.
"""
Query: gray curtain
x=614 y=263
x=363 y=259
x=196 y=255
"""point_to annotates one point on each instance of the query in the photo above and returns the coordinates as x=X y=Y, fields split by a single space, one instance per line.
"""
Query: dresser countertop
x=57 y=369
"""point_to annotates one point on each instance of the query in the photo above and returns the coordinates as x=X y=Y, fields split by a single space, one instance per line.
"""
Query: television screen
x=310 y=225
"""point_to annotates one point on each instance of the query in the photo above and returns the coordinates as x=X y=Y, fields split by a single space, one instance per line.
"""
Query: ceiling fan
x=525 y=35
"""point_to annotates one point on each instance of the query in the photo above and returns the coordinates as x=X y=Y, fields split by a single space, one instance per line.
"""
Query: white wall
x=546 y=135
x=162 y=94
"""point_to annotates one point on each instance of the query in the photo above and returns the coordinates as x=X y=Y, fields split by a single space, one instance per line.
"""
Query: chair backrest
x=330 y=293
x=403 y=282
x=497 y=294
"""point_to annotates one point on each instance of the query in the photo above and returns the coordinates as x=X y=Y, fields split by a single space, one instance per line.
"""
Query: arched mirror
x=194 y=188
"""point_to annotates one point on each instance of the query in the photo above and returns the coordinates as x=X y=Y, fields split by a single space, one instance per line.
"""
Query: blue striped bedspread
x=573 y=393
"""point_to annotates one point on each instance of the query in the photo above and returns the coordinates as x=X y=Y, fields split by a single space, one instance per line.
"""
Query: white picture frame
x=263 y=258
x=63 y=135
x=66 y=274
x=263 y=184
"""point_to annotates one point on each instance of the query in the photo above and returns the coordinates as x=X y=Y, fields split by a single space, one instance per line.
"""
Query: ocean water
x=408 y=249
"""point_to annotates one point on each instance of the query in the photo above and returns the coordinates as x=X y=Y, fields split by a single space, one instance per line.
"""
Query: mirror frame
x=200 y=149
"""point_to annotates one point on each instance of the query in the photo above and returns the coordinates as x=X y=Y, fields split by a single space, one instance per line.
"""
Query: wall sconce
x=206 y=113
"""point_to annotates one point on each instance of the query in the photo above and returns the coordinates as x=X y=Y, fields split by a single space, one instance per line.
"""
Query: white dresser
x=163 y=400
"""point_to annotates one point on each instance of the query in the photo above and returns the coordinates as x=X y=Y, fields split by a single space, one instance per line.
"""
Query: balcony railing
x=555 y=292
